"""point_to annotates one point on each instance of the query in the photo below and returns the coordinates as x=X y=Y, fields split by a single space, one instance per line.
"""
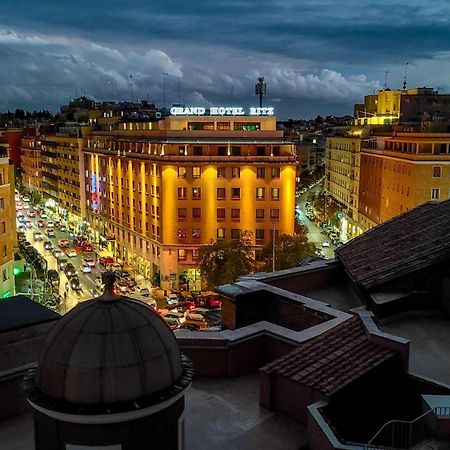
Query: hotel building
x=159 y=190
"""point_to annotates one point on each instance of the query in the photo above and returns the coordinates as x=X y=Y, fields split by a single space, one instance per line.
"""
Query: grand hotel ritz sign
x=221 y=111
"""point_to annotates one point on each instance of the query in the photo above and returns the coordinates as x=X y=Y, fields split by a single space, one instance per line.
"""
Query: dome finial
x=108 y=279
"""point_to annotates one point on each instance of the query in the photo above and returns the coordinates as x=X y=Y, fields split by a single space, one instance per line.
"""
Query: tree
x=221 y=262
x=289 y=250
x=325 y=207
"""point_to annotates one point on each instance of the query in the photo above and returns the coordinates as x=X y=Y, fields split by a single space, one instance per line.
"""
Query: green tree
x=289 y=250
x=325 y=207
x=221 y=262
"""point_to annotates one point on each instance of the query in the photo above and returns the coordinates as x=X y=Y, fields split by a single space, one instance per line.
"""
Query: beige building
x=159 y=190
x=31 y=162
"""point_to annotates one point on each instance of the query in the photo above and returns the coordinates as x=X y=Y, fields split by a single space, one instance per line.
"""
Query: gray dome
x=103 y=352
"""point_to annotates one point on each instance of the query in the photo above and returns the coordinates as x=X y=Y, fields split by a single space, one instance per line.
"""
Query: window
x=259 y=234
x=235 y=150
x=196 y=213
x=221 y=172
x=236 y=193
x=181 y=150
x=182 y=254
x=200 y=125
x=220 y=233
x=182 y=213
x=5 y=275
x=221 y=193
x=182 y=193
x=3 y=227
x=235 y=213
x=182 y=172
x=437 y=171
x=223 y=126
x=276 y=151
x=5 y=250
x=435 y=193
x=260 y=193
x=235 y=233
x=275 y=214
x=196 y=233
x=260 y=151
x=196 y=193
x=222 y=151
x=197 y=150
x=260 y=172
x=220 y=213
x=235 y=172
x=275 y=193
x=247 y=126
x=181 y=233
x=259 y=214
x=275 y=172
x=196 y=172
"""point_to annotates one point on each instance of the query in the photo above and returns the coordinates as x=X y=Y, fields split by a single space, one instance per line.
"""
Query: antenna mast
x=406 y=74
x=385 y=79
x=260 y=89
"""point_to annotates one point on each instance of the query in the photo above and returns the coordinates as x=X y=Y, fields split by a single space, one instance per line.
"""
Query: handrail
x=396 y=421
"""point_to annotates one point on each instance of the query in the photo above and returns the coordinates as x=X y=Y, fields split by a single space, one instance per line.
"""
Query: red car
x=63 y=243
x=88 y=248
x=89 y=262
x=105 y=260
x=213 y=302
x=40 y=223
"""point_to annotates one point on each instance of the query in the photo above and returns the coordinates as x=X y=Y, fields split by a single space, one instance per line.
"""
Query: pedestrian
x=65 y=295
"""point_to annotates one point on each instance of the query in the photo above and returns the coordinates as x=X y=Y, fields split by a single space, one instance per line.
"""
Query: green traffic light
x=16 y=271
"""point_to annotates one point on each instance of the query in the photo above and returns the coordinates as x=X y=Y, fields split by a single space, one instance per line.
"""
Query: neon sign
x=94 y=194
x=221 y=111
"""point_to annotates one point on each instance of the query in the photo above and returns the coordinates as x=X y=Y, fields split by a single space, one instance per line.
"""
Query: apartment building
x=400 y=172
x=159 y=190
x=31 y=162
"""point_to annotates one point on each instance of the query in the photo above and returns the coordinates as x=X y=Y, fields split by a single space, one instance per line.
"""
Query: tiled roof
x=415 y=239
x=332 y=360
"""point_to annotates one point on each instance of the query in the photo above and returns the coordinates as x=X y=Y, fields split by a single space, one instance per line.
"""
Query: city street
x=315 y=234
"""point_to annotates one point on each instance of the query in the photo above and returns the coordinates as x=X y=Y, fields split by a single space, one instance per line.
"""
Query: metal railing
x=401 y=434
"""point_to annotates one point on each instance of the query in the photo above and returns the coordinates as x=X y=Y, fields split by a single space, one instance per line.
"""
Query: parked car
x=70 y=270
x=213 y=301
x=172 y=322
x=171 y=298
x=31 y=214
x=57 y=253
x=88 y=247
x=175 y=315
x=105 y=260
x=62 y=262
x=145 y=292
x=75 y=284
x=40 y=223
x=43 y=215
x=22 y=228
x=48 y=245
x=20 y=218
x=28 y=224
x=121 y=287
x=63 y=228
x=122 y=274
x=38 y=236
x=325 y=244
x=50 y=232
x=89 y=262
x=195 y=321
x=79 y=241
x=63 y=243
x=71 y=252
x=21 y=236
x=50 y=225
x=85 y=268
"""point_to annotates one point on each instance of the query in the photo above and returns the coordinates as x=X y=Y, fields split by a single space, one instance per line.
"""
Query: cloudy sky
x=317 y=56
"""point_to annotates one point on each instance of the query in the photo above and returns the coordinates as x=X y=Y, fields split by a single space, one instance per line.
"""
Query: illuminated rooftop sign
x=220 y=111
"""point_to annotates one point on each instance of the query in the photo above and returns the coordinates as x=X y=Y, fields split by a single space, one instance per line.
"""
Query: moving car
x=105 y=260
x=62 y=262
x=171 y=299
x=213 y=301
x=122 y=273
x=38 y=236
x=88 y=248
x=75 y=284
x=63 y=243
x=71 y=252
x=62 y=228
x=31 y=214
x=20 y=218
x=85 y=268
x=325 y=244
x=89 y=262
x=48 y=245
x=57 y=253
x=40 y=223
x=43 y=215
x=28 y=224
x=50 y=225
x=195 y=321
x=50 y=232
x=145 y=292
x=122 y=287
x=22 y=228
x=70 y=270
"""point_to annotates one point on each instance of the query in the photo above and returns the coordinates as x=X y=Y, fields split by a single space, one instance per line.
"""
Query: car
x=188 y=305
x=40 y=223
x=85 y=268
x=20 y=218
x=172 y=322
x=50 y=232
x=48 y=245
x=171 y=298
x=31 y=214
x=70 y=270
x=26 y=198
x=43 y=215
x=132 y=283
x=63 y=228
x=89 y=262
x=57 y=253
x=22 y=228
x=27 y=244
x=325 y=244
x=99 y=282
x=79 y=241
x=63 y=243
x=19 y=207
x=26 y=206
x=21 y=236
x=145 y=292
x=28 y=224
x=75 y=284
x=122 y=274
x=50 y=224
x=38 y=236
x=62 y=262
x=88 y=247
x=121 y=287
x=195 y=322
x=71 y=252
x=106 y=260
x=213 y=301
x=176 y=315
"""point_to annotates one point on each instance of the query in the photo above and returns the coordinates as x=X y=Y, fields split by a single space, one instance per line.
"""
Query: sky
x=317 y=56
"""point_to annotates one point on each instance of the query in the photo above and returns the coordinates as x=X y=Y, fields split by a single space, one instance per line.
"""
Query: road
x=315 y=233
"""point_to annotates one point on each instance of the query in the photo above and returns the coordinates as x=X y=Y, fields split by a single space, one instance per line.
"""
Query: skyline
x=316 y=58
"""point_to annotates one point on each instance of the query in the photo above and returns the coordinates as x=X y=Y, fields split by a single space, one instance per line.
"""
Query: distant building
x=31 y=161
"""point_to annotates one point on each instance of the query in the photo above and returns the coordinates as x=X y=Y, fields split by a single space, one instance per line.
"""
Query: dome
x=104 y=352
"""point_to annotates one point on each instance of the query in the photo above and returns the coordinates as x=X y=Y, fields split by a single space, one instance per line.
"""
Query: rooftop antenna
x=404 y=78
x=260 y=89
x=164 y=74
x=385 y=79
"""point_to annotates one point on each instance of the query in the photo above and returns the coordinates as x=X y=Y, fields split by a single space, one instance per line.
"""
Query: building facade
x=342 y=179
x=400 y=172
x=159 y=190
x=31 y=158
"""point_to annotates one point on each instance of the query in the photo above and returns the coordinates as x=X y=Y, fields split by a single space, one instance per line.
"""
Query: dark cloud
x=317 y=56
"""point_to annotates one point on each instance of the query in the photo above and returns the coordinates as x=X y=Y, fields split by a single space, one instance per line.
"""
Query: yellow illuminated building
x=400 y=172
x=342 y=161
x=31 y=162
x=159 y=190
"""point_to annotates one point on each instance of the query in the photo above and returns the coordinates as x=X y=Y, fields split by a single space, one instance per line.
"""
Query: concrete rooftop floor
x=220 y=414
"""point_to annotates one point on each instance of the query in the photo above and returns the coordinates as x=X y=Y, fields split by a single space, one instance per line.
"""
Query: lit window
x=196 y=172
x=221 y=172
x=182 y=172
x=275 y=193
x=181 y=233
x=220 y=233
x=260 y=193
x=196 y=233
x=221 y=193
x=435 y=193
x=196 y=193
x=182 y=193
x=235 y=172
x=236 y=193
x=182 y=254
x=437 y=171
